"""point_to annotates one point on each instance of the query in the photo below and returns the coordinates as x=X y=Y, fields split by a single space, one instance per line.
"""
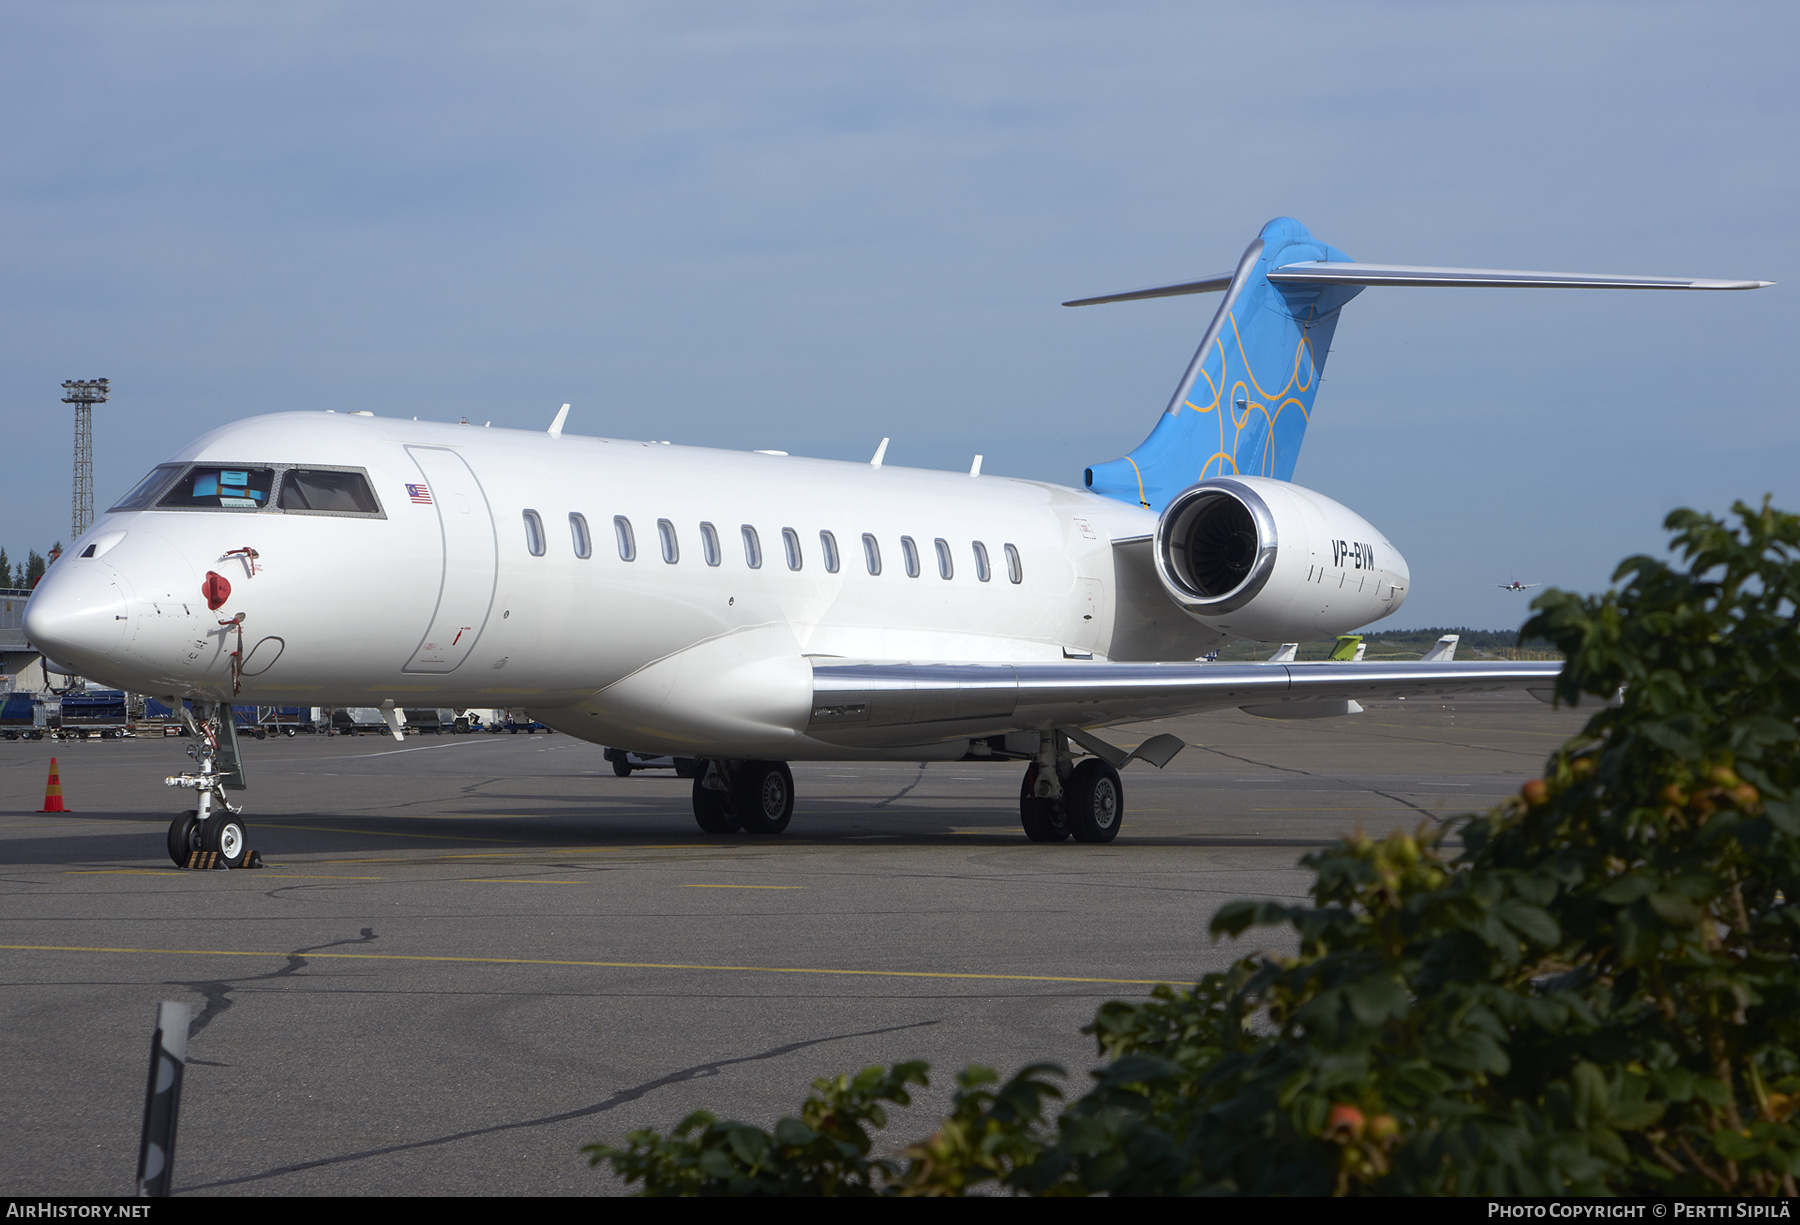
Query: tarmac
x=468 y=956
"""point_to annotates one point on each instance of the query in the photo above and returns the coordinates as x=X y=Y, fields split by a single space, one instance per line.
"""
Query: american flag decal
x=419 y=494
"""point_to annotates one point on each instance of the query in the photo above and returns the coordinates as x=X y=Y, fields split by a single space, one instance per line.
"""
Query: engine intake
x=1216 y=546
x=1266 y=559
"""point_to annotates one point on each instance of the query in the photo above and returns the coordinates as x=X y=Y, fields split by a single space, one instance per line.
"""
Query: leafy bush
x=1599 y=993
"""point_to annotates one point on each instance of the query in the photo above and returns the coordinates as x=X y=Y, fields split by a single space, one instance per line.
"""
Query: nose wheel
x=184 y=837
x=226 y=836
x=215 y=826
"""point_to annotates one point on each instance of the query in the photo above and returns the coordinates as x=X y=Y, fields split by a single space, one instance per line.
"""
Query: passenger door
x=471 y=560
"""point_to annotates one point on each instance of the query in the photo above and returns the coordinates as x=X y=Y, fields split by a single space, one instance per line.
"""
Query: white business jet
x=753 y=609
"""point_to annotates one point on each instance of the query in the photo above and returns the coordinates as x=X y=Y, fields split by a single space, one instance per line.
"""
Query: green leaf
x=1733 y=1146
x=1627 y=889
x=1532 y=922
x=1674 y=909
x=749 y=1144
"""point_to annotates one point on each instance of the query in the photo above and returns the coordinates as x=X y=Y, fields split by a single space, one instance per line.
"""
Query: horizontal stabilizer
x=1320 y=272
x=1209 y=284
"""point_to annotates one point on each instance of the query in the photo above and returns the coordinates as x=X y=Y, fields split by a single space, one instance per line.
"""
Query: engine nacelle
x=1266 y=559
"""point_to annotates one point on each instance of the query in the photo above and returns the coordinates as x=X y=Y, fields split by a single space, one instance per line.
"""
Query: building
x=21 y=667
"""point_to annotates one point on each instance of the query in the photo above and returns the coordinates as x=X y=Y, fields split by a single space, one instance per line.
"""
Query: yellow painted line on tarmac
x=515 y=880
x=173 y=871
x=600 y=965
x=553 y=850
x=380 y=833
x=120 y=871
x=1343 y=807
x=743 y=886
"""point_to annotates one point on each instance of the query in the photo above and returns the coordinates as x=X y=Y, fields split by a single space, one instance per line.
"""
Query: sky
x=806 y=226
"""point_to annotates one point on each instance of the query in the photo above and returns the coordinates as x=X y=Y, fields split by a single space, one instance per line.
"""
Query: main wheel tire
x=622 y=768
x=689 y=767
x=712 y=809
x=763 y=796
x=184 y=837
x=1043 y=819
x=1096 y=800
x=224 y=832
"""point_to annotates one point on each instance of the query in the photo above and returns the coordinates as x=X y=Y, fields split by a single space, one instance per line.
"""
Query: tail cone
x=53 y=791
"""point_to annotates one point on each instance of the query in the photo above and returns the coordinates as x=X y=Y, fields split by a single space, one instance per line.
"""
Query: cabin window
x=910 y=553
x=1014 y=569
x=752 y=548
x=872 y=553
x=828 y=549
x=331 y=491
x=945 y=569
x=627 y=541
x=983 y=571
x=790 y=542
x=221 y=487
x=671 y=549
x=145 y=491
x=578 y=531
x=709 y=544
x=534 y=533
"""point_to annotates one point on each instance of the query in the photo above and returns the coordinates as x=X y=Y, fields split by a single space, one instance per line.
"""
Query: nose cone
x=77 y=616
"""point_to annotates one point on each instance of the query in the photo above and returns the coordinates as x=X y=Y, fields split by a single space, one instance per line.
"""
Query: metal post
x=162 y=1099
x=83 y=394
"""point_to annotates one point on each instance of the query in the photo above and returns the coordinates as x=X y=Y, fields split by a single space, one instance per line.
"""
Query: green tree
x=6 y=574
x=1598 y=993
x=34 y=568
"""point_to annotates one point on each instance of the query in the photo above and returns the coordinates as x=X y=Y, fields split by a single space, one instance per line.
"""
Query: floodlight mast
x=83 y=394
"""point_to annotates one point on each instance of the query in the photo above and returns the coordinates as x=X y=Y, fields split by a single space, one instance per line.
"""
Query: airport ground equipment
x=21 y=717
x=107 y=713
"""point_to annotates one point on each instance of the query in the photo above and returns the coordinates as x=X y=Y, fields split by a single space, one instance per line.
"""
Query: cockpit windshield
x=307 y=491
x=328 y=489
x=145 y=491
x=222 y=487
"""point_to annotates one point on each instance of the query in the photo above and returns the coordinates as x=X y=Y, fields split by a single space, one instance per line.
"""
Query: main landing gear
x=1062 y=799
x=215 y=826
x=754 y=796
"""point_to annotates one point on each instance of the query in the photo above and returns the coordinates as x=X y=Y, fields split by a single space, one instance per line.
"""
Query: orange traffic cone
x=53 y=791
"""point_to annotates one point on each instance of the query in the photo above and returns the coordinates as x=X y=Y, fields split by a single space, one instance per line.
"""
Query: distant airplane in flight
x=746 y=610
x=1516 y=585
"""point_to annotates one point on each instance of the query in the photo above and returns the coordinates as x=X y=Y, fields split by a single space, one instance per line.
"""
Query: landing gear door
x=471 y=559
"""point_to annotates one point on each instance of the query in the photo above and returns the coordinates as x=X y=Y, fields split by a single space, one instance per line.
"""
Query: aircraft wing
x=896 y=703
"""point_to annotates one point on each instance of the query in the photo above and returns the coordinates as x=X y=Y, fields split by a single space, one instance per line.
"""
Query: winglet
x=562 y=415
x=879 y=452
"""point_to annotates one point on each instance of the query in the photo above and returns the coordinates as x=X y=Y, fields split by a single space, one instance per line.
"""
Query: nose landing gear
x=214 y=827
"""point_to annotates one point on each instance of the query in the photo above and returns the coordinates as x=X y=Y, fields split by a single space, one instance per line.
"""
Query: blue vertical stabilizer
x=1243 y=405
